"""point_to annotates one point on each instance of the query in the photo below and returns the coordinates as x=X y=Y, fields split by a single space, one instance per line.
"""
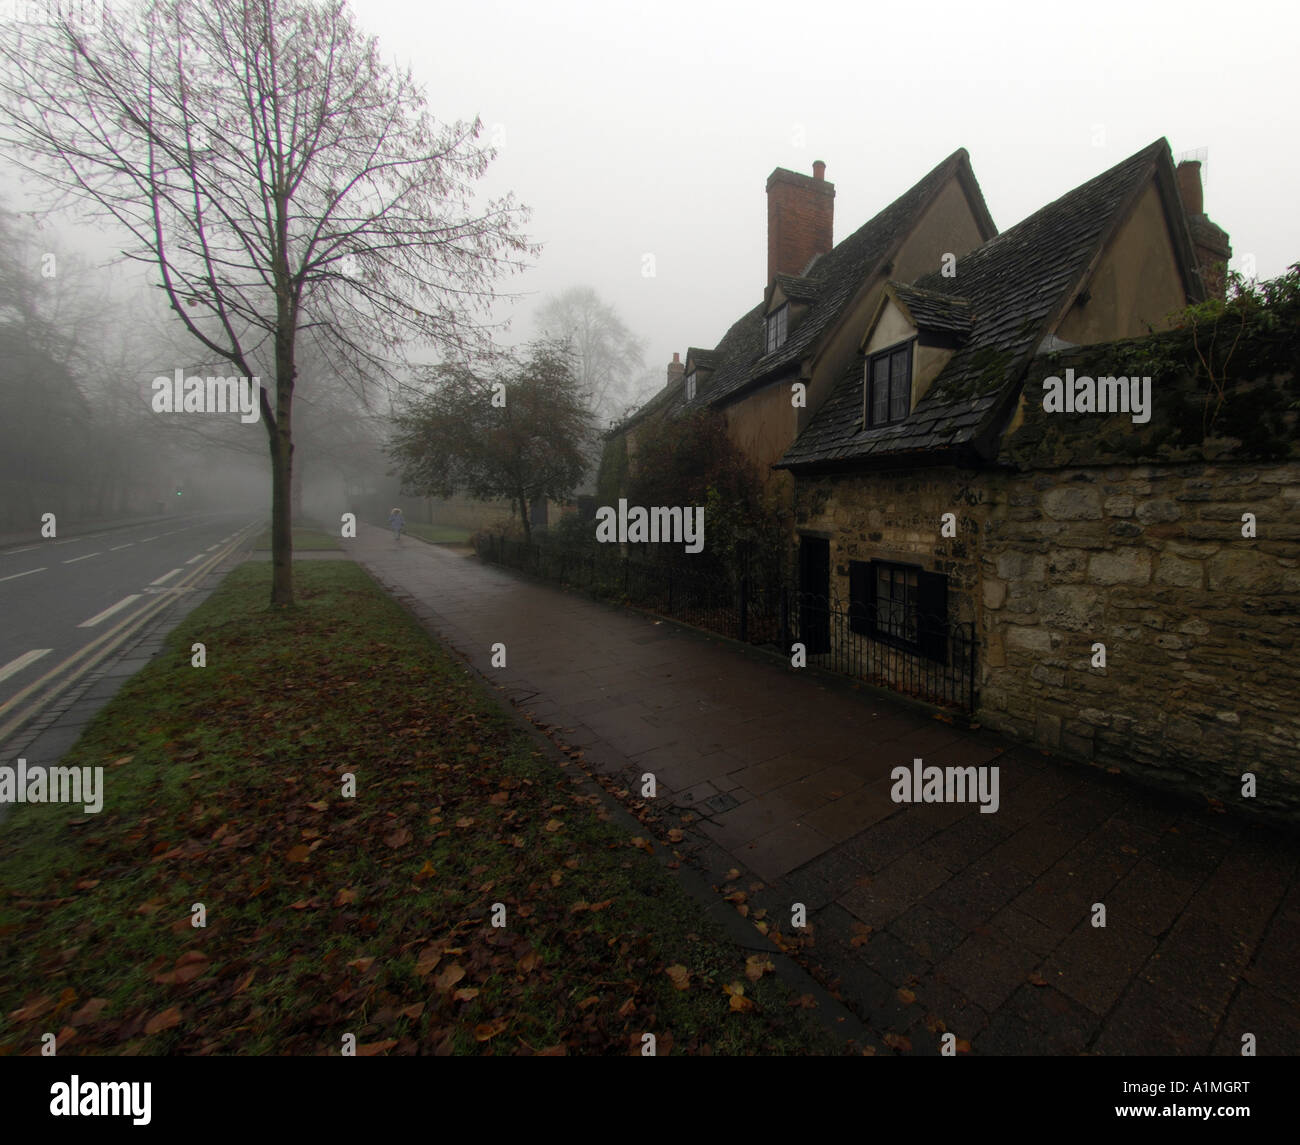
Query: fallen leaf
x=373 y=1049
x=464 y=821
x=87 y=884
x=1036 y=979
x=323 y=805
x=553 y=825
x=485 y=1031
x=733 y=874
x=33 y=1009
x=89 y=1012
x=676 y=836
x=164 y=1021
x=680 y=976
x=346 y=895
x=298 y=854
x=906 y=996
x=417 y=1008
x=449 y=977
x=898 y=1042
x=756 y=965
x=361 y=965
x=464 y=994
x=398 y=838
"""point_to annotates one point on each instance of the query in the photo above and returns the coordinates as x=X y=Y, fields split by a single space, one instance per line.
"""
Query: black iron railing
x=929 y=659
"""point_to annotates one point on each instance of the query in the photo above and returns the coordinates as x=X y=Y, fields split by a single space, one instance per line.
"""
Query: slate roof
x=1017 y=285
x=932 y=310
x=800 y=289
x=834 y=279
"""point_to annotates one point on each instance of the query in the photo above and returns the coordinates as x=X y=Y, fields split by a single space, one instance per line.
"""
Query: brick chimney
x=1208 y=240
x=800 y=219
x=676 y=369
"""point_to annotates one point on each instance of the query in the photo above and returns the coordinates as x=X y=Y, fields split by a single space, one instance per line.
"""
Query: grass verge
x=328 y=914
x=440 y=534
x=303 y=540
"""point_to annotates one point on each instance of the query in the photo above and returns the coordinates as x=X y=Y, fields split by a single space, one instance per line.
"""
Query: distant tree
x=608 y=356
x=517 y=429
x=279 y=175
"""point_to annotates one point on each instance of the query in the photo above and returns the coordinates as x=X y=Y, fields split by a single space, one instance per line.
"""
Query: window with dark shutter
x=889 y=383
x=903 y=605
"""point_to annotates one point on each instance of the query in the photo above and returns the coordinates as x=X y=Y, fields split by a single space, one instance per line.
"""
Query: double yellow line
x=75 y=666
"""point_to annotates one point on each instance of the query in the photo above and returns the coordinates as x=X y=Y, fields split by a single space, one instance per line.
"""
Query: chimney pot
x=675 y=369
x=1189 y=187
x=819 y=169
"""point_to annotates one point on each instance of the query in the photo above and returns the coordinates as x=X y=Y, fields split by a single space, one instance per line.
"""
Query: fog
x=641 y=140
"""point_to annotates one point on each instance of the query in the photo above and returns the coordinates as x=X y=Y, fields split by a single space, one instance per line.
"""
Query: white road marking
x=144 y=539
x=164 y=577
x=121 y=604
x=69 y=541
x=211 y=547
x=87 y=557
x=27 y=573
x=125 y=546
x=193 y=559
x=28 y=549
x=15 y=666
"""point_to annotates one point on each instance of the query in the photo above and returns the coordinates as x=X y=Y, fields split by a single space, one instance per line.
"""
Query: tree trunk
x=523 y=517
x=282 y=472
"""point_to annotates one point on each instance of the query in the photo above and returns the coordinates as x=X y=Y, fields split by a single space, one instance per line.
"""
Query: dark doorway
x=815 y=594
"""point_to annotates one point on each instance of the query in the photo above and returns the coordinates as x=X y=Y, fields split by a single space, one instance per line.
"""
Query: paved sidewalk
x=925 y=917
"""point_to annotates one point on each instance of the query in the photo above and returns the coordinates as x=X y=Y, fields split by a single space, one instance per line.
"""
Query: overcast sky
x=651 y=129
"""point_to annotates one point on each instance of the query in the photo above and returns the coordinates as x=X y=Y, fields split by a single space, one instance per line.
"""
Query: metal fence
x=764 y=610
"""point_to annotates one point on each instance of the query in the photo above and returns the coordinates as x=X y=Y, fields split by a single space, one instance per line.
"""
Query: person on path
x=397 y=523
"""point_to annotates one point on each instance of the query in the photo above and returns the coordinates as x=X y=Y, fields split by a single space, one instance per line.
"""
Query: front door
x=815 y=594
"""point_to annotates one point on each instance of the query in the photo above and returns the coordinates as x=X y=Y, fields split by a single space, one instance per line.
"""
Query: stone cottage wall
x=1094 y=530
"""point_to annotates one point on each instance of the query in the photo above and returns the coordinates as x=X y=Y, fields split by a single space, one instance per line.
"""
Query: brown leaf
x=417 y=1008
x=450 y=976
x=680 y=976
x=164 y=1021
x=89 y=1012
x=553 y=825
x=465 y=994
x=346 y=895
x=87 y=884
x=1036 y=979
x=485 y=1031
x=642 y=844
x=733 y=874
x=465 y=821
x=756 y=965
x=676 y=836
x=374 y=1049
x=398 y=838
x=33 y=1009
x=898 y=1042
x=935 y=1024
x=298 y=854
x=528 y=963
x=963 y=1046
x=322 y=805
x=906 y=996
x=425 y=872
x=361 y=965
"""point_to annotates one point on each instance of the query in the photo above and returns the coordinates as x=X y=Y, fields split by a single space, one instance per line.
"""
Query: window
x=776 y=327
x=690 y=386
x=899 y=604
x=889 y=385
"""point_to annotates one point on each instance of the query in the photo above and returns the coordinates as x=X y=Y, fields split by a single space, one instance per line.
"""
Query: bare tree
x=608 y=355
x=279 y=176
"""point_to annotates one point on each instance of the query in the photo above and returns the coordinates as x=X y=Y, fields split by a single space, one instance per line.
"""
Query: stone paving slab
x=922 y=917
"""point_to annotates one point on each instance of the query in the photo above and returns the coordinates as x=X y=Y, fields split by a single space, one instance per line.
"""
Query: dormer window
x=690 y=386
x=889 y=385
x=777 y=322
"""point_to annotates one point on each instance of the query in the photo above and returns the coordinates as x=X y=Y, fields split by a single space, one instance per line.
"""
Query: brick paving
x=980 y=924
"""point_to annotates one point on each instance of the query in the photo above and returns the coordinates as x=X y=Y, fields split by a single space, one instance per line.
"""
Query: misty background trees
x=279 y=177
x=519 y=428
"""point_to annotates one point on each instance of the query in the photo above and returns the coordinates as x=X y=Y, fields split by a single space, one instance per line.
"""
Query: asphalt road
x=61 y=595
